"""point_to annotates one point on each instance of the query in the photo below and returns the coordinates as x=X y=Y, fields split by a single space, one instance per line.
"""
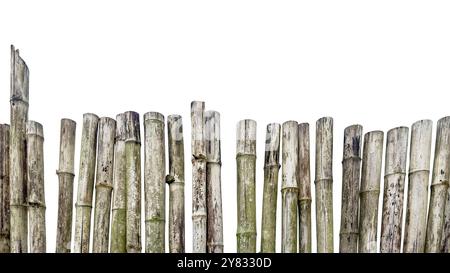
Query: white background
x=377 y=63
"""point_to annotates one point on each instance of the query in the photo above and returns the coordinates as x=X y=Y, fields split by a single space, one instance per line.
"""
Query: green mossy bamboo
x=304 y=193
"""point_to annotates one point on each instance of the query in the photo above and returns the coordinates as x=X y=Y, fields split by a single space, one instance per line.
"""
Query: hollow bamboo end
x=34 y=128
x=154 y=116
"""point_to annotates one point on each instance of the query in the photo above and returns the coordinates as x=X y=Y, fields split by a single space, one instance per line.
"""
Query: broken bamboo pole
x=304 y=194
x=4 y=190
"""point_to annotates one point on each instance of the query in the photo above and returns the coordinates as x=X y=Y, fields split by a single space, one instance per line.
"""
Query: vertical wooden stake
x=4 y=190
x=304 y=195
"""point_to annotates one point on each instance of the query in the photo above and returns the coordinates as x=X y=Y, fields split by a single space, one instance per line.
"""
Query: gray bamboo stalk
x=370 y=191
x=154 y=182
x=419 y=175
x=4 y=190
x=35 y=178
x=85 y=190
x=213 y=182
x=269 y=205
x=439 y=185
x=175 y=179
x=103 y=184
x=199 y=209
x=394 y=185
x=304 y=195
x=246 y=186
x=289 y=187
x=66 y=176
x=133 y=182
x=351 y=171
x=17 y=153
x=324 y=185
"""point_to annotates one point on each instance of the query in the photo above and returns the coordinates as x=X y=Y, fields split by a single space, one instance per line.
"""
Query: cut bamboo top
x=442 y=152
x=421 y=134
x=197 y=115
x=246 y=137
x=176 y=149
x=105 y=155
x=154 y=116
x=19 y=77
x=372 y=158
x=290 y=154
x=35 y=171
x=272 y=152
x=212 y=136
x=324 y=149
x=67 y=146
x=121 y=128
x=397 y=140
x=132 y=131
x=304 y=162
x=35 y=128
x=352 y=142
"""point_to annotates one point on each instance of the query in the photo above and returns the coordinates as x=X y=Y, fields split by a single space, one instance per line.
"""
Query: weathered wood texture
x=370 y=191
x=351 y=171
x=394 y=189
x=154 y=182
x=213 y=182
x=4 y=189
x=246 y=186
x=304 y=194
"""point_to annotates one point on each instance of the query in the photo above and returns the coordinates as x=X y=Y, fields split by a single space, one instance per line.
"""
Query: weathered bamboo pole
x=103 y=184
x=154 y=182
x=4 y=190
x=269 y=205
x=351 y=170
x=35 y=178
x=394 y=185
x=175 y=179
x=304 y=195
x=370 y=191
x=246 y=186
x=419 y=175
x=133 y=182
x=85 y=191
x=213 y=182
x=324 y=185
x=17 y=153
x=199 y=210
x=289 y=187
x=439 y=185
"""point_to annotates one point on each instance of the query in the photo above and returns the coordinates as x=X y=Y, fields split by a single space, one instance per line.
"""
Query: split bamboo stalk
x=199 y=213
x=351 y=171
x=175 y=179
x=304 y=195
x=439 y=185
x=4 y=189
x=394 y=185
x=154 y=182
x=103 y=184
x=246 y=186
x=419 y=175
x=324 y=184
x=85 y=191
x=17 y=153
x=370 y=191
x=289 y=187
x=35 y=178
x=66 y=176
x=133 y=182
x=269 y=205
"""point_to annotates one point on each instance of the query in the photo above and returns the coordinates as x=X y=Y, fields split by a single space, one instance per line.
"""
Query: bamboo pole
x=103 y=184
x=213 y=182
x=175 y=179
x=4 y=190
x=85 y=191
x=269 y=205
x=304 y=195
x=419 y=175
x=439 y=185
x=370 y=191
x=246 y=186
x=154 y=182
x=351 y=170
x=394 y=184
x=199 y=217
x=324 y=185
x=35 y=178
x=17 y=153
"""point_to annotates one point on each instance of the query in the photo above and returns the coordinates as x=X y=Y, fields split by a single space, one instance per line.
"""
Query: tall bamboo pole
x=304 y=194
x=324 y=184
x=351 y=170
x=103 y=184
x=85 y=191
x=4 y=190
x=154 y=182
x=35 y=178
x=17 y=153
x=269 y=205
x=439 y=185
x=175 y=179
x=213 y=182
x=394 y=184
x=370 y=191
x=419 y=175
